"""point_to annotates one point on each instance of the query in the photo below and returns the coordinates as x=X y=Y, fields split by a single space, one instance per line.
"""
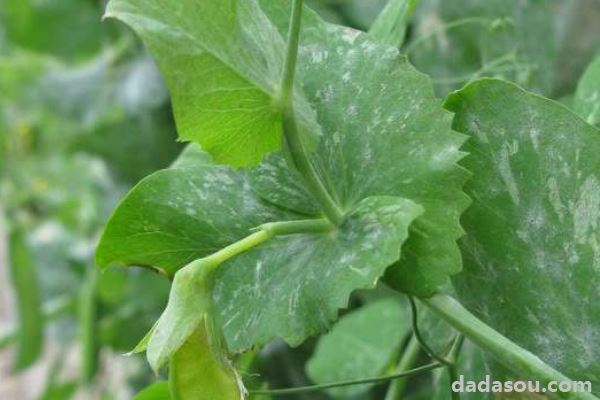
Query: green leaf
x=587 y=97
x=25 y=284
x=197 y=372
x=257 y=300
x=361 y=344
x=156 y=391
x=366 y=125
x=390 y=27
x=382 y=139
x=383 y=149
x=223 y=63
x=531 y=254
x=170 y=219
x=181 y=214
x=274 y=182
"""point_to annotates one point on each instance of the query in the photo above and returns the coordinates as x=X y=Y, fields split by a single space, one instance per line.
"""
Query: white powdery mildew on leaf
x=181 y=214
x=554 y=197
x=531 y=255
x=586 y=213
x=293 y=285
x=507 y=174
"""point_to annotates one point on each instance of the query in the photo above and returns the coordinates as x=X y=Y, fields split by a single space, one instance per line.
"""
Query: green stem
x=239 y=247
x=501 y=348
x=314 y=388
x=266 y=232
x=297 y=151
x=408 y=359
x=289 y=70
x=452 y=357
x=299 y=226
x=417 y=333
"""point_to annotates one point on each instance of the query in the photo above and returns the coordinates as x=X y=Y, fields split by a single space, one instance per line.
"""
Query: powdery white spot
x=554 y=197
x=534 y=134
x=352 y=111
x=319 y=56
x=507 y=175
x=586 y=213
x=349 y=35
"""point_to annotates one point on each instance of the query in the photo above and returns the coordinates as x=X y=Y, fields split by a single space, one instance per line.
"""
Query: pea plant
x=322 y=163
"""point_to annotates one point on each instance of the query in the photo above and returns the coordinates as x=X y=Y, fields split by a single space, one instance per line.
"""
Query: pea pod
x=25 y=283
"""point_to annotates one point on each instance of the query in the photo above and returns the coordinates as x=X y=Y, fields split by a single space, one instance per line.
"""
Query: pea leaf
x=587 y=97
x=177 y=222
x=361 y=344
x=180 y=214
x=381 y=139
x=366 y=126
x=274 y=182
x=197 y=372
x=223 y=63
x=531 y=254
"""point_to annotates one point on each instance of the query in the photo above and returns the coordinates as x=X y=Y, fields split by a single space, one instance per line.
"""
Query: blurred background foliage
x=84 y=115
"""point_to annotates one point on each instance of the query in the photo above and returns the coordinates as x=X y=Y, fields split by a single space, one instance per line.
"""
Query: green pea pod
x=198 y=371
x=25 y=283
x=87 y=326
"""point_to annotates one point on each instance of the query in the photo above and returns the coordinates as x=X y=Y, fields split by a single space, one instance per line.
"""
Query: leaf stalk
x=265 y=232
x=498 y=346
x=298 y=154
